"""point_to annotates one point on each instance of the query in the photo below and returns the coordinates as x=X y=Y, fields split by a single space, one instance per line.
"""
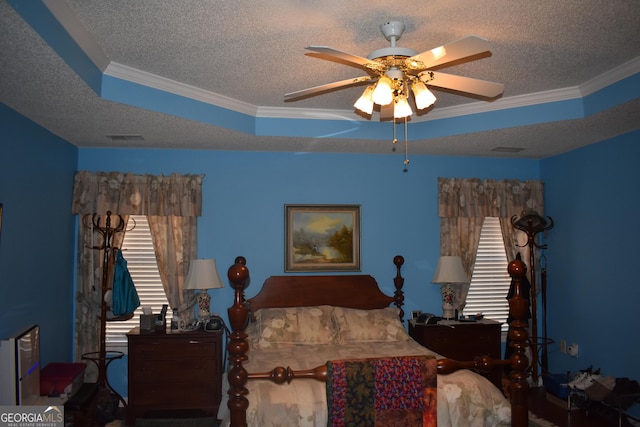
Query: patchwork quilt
x=384 y=392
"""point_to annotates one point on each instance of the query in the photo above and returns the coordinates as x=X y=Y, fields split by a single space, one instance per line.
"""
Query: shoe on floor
x=587 y=382
x=600 y=389
x=581 y=376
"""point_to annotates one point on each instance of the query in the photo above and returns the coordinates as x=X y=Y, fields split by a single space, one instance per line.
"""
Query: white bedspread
x=464 y=397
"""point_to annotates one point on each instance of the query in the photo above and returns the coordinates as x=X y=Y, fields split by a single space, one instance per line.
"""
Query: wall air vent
x=507 y=149
x=126 y=137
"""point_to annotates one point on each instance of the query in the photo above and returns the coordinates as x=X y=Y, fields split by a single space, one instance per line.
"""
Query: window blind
x=490 y=280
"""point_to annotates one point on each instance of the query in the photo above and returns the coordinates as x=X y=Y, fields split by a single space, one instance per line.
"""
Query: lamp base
x=203 y=300
x=448 y=297
x=448 y=315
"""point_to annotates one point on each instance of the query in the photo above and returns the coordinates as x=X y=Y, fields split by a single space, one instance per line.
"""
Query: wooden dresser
x=174 y=372
x=462 y=341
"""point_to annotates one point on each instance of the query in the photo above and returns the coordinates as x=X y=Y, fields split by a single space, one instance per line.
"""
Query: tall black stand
x=532 y=224
x=102 y=358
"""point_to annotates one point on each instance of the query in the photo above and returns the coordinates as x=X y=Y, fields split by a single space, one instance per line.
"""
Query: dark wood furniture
x=461 y=341
x=365 y=293
x=174 y=372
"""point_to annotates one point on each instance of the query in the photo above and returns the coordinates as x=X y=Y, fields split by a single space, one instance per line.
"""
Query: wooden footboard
x=240 y=312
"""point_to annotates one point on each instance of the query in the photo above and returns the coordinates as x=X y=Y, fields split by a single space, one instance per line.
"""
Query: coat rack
x=531 y=223
x=102 y=358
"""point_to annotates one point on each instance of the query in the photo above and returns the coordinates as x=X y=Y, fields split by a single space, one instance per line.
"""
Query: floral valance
x=130 y=194
x=479 y=198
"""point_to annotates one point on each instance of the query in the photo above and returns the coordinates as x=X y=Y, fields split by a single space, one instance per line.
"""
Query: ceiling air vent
x=507 y=149
x=126 y=137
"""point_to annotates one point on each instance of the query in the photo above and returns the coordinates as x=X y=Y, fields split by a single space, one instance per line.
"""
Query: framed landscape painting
x=322 y=238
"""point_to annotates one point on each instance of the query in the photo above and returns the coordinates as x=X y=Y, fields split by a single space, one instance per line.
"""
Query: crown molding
x=153 y=81
x=144 y=78
x=612 y=76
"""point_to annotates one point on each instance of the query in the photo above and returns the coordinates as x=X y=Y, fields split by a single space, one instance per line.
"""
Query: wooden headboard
x=351 y=291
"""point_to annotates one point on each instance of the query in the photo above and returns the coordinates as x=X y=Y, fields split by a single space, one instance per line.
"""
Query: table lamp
x=449 y=272
x=203 y=275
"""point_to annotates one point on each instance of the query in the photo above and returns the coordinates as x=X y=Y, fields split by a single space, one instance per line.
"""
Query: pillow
x=354 y=325
x=278 y=327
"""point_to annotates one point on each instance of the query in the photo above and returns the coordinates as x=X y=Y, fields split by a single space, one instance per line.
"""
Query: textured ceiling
x=250 y=53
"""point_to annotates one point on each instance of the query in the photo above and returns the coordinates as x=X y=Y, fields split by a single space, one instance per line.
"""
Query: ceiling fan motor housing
x=392 y=31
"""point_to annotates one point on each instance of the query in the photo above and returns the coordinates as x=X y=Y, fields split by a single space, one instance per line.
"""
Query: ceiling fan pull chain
x=406 y=143
x=395 y=139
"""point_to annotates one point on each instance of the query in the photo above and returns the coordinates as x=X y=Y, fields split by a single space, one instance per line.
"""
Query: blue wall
x=38 y=235
x=590 y=193
x=593 y=286
x=244 y=194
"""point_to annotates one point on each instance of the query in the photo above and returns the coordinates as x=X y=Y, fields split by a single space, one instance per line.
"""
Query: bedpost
x=398 y=260
x=519 y=337
x=238 y=345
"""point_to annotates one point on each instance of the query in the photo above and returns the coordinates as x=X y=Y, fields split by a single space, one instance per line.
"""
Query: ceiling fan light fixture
x=422 y=95
x=365 y=102
x=383 y=93
x=401 y=108
x=396 y=68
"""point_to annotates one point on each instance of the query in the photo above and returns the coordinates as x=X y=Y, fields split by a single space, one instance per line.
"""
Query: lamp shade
x=203 y=274
x=401 y=108
x=449 y=270
x=365 y=102
x=423 y=96
x=383 y=94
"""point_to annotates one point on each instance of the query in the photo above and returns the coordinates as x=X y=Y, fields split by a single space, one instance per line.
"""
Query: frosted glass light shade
x=383 y=94
x=423 y=96
x=365 y=102
x=401 y=108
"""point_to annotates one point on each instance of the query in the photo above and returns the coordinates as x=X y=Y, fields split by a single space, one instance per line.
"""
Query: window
x=138 y=250
x=490 y=280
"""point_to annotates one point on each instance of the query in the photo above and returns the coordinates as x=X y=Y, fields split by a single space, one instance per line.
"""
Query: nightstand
x=174 y=372
x=462 y=341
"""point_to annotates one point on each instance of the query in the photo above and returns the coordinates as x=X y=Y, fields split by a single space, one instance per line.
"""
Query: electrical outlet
x=572 y=349
x=563 y=346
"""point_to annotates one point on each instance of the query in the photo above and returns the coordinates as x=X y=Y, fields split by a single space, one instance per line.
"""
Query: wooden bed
x=352 y=292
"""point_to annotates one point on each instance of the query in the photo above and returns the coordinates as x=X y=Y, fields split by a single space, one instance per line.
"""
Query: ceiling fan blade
x=329 y=86
x=457 y=49
x=343 y=56
x=464 y=84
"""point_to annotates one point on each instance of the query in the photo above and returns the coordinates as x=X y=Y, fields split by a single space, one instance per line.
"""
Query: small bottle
x=174 y=320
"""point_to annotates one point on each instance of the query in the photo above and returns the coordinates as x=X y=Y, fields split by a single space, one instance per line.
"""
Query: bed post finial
x=398 y=260
x=238 y=345
x=519 y=337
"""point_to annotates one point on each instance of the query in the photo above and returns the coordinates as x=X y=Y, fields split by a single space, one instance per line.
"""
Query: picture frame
x=415 y=314
x=322 y=238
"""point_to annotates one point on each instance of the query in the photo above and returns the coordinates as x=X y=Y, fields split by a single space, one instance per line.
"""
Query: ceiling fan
x=393 y=70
